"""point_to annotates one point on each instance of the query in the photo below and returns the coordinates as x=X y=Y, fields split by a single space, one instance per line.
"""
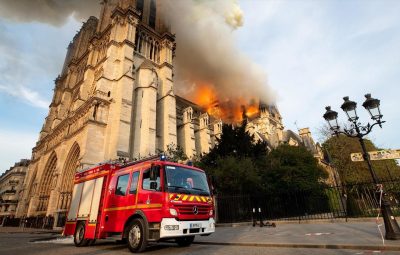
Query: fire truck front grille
x=189 y=209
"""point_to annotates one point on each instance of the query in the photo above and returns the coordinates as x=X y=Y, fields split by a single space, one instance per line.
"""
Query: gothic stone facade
x=114 y=98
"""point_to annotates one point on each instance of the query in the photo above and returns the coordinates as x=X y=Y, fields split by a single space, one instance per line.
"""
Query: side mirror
x=153 y=185
x=154 y=172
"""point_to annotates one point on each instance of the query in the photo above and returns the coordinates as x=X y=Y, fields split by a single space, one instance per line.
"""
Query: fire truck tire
x=137 y=239
x=79 y=239
x=184 y=241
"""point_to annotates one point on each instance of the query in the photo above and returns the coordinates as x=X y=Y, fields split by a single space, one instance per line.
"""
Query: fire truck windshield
x=185 y=180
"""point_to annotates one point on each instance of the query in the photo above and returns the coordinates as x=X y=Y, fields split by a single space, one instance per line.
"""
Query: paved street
x=228 y=240
x=350 y=233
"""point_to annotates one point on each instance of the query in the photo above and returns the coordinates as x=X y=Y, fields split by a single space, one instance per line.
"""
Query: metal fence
x=32 y=222
x=356 y=200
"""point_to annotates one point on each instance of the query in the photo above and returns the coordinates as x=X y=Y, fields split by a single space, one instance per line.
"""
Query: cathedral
x=114 y=98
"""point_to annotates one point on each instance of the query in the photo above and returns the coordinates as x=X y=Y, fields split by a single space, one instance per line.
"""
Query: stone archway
x=67 y=183
x=46 y=184
x=29 y=192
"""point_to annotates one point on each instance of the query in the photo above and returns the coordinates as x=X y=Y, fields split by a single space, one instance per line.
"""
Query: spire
x=263 y=106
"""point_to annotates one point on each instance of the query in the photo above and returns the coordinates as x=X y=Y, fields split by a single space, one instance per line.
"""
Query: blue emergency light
x=163 y=158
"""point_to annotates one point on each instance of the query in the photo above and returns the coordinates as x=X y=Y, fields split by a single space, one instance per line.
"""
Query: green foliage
x=235 y=175
x=238 y=165
x=175 y=153
x=236 y=142
x=293 y=168
x=339 y=149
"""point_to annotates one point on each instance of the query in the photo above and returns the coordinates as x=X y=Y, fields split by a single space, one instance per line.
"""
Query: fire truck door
x=118 y=203
x=150 y=198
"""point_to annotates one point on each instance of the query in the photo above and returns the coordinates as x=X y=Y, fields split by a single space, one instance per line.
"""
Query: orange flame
x=230 y=110
x=205 y=96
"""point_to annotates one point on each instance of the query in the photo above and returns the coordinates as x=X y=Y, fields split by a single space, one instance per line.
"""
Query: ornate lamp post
x=357 y=130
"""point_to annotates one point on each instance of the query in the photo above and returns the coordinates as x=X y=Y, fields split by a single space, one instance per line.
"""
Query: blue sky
x=314 y=53
x=32 y=55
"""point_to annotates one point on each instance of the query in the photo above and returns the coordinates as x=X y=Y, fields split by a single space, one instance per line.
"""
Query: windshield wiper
x=199 y=189
x=176 y=187
x=185 y=191
x=205 y=192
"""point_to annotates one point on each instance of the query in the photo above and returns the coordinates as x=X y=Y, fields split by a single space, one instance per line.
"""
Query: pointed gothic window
x=139 y=5
x=152 y=16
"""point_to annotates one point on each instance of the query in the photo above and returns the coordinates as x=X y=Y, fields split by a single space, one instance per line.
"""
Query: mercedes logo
x=195 y=210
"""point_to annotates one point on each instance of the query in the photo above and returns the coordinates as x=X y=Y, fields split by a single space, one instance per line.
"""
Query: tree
x=238 y=164
x=293 y=168
x=235 y=141
x=339 y=149
x=175 y=153
x=233 y=162
x=234 y=175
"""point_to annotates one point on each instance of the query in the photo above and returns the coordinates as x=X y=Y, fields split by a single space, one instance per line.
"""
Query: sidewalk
x=353 y=235
x=304 y=221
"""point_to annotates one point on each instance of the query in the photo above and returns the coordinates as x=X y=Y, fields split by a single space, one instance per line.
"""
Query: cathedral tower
x=114 y=98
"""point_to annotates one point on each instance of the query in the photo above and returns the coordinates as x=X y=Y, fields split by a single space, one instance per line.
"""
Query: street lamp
x=349 y=107
x=372 y=106
x=357 y=130
x=331 y=117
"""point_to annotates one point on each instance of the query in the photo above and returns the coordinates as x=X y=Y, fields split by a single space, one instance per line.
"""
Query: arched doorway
x=46 y=184
x=67 y=184
x=30 y=191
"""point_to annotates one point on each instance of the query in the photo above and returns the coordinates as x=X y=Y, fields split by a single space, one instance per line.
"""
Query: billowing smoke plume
x=54 y=12
x=208 y=66
x=206 y=55
x=234 y=16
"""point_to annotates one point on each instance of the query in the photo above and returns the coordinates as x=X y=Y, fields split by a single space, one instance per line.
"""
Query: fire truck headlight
x=171 y=227
x=173 y=212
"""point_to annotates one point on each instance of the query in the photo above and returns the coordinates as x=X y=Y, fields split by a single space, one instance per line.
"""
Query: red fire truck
x=140 y=202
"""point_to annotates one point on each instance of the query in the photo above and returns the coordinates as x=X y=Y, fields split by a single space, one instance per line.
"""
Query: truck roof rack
x=140 y=160
x=121 y=162
x=111 y=162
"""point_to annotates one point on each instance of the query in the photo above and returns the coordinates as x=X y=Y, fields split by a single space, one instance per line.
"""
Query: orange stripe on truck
x=139 y=206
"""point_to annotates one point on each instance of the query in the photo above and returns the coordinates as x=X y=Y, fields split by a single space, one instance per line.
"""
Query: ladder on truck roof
x=121 y=161
x=140 y=161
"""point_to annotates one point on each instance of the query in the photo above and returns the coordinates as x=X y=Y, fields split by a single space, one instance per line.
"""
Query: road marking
x=368 y=252
x=318 y=234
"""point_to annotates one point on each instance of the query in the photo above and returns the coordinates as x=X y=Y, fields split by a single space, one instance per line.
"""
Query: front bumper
x=186 y=228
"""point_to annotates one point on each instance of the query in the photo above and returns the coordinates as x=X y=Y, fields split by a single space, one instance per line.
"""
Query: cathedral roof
x=290 y=134
x=264 y=139
x=183 y=102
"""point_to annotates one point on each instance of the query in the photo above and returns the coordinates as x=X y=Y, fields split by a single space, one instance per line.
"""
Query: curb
x=314 y=246
x=278 y=222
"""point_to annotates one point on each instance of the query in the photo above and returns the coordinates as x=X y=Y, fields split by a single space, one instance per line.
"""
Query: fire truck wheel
x=79 y=239
x=184 y=241
x=137 y=240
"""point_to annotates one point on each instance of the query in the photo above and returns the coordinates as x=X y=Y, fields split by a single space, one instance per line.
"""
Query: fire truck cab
x=140 y=202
